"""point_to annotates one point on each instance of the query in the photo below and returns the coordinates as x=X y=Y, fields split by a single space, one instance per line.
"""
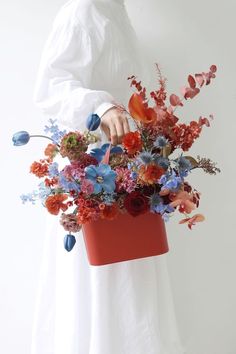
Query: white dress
x=120 y=308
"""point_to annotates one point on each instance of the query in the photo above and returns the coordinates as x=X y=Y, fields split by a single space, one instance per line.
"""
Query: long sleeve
x=62 y=85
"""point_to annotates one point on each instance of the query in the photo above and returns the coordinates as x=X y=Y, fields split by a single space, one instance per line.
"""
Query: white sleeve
x=65 y=68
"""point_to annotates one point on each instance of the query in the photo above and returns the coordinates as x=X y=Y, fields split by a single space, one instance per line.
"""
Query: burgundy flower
x=136 y=203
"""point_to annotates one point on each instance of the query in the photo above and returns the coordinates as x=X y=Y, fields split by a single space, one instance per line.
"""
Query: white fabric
x=120 y=308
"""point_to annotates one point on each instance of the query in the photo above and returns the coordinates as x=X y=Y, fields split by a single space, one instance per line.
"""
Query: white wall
x=184 y=37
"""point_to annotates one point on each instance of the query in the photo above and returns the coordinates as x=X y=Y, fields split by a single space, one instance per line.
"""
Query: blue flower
x=43 y=192
x=99 y=153
x=145 y=157
x=160 y=142
x=155 y=200
x=30 y=197
x=183 y=163
x=108 y=198
x=53 y=169
x=55 y=133
x=21 y=138
x=102 y=176
x=171 y=181
x=68 y=185
x=134 y=175
x=69 y=242
x=163 y=208
x=162 y=162
x=93 y=122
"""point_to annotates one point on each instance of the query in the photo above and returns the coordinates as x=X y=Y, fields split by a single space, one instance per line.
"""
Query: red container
x=125 y=238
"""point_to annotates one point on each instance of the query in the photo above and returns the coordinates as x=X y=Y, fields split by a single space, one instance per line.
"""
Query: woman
x=120 y=308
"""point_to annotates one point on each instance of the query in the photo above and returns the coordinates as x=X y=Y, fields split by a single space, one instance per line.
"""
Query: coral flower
x=110 y=211
x=132 y=142
x=51 y=151
x=192 y=221
x=40 y=169
x=184 y=201
x=150 y=174
x=54 y=203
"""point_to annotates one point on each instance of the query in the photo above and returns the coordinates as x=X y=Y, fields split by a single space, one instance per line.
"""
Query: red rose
x=136 y=203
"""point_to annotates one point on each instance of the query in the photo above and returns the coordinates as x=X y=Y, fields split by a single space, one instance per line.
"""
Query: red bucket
x=125 y=238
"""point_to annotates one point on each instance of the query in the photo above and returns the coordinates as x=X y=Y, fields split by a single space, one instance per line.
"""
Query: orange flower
x=51 y=151
x=55 y=202
x=150 y=174
x=132 y=142
x=40 y=169
x=139 y=109
x=110 y=211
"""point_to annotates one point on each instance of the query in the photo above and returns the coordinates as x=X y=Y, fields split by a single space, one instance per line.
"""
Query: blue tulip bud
x=20 y=138
x=93 y=122
x=69 y=242
x=116 y=150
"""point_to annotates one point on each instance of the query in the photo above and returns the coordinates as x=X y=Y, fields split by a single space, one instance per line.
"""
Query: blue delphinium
x=164 y=210
x=99 y=153
x=53 y=130
x=157 y=206
x=29 y=197
x=43 y=192
x=102 y=177
x=171 y=181
x=53 y=169
x=66 y=184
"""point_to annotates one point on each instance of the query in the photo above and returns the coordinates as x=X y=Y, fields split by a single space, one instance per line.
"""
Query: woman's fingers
x=115 y=125
x=120 y=130
x=113 y=133
x=106 y=130
x=126 y=126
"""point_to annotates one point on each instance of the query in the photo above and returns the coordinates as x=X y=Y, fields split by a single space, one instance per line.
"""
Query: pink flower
x=184 y=201
x=124 y=181
x=87 y=186
x=73 y=171
x=69 y=222
x=192 y=221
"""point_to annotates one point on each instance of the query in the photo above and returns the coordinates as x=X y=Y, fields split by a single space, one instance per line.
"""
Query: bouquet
x=146 y=173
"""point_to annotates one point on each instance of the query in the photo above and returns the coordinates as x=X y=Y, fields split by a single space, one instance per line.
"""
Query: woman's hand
x=115 y=125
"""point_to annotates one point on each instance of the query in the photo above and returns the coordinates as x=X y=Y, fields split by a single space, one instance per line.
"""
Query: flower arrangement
x=142 y=175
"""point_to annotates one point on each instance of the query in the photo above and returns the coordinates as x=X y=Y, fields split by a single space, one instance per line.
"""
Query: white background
x=184 y=37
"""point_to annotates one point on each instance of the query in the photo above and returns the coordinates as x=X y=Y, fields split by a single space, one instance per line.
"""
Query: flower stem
x=44 y=136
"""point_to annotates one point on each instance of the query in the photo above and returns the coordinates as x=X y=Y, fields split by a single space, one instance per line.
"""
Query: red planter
x=125 y=238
